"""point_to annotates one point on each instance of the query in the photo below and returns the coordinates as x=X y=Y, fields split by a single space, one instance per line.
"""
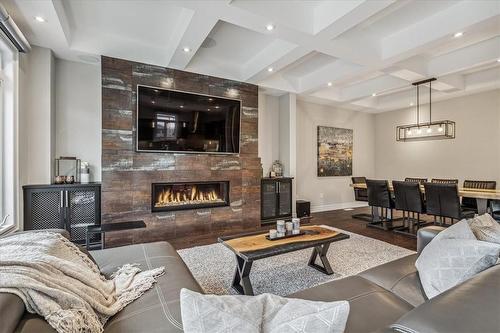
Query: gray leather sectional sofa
x=386 y=298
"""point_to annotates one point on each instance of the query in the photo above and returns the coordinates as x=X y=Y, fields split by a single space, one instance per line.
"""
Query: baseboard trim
x=335 y=206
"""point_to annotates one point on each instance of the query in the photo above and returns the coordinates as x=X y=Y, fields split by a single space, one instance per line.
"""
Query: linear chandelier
x=431 y=130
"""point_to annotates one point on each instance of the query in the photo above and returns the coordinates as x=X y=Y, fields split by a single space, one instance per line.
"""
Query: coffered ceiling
x=358 y=54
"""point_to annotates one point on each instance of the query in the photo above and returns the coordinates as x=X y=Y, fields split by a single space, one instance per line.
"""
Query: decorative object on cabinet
x=334 y=151
x=276 y=199
x=85 y=173
x=67 y=206
x=277 y=168
x=68 y=166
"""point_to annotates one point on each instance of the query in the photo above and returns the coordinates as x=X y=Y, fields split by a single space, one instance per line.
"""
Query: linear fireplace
x=189 y=195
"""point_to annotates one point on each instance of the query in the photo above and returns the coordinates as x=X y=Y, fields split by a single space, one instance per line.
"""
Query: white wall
x=78 y=113
x=473 y=154
x=327 y=193
x=269 y=134
x=36 y=116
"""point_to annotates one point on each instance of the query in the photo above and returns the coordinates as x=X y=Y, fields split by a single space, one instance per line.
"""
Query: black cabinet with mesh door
x=275 y=199
x=68 y=206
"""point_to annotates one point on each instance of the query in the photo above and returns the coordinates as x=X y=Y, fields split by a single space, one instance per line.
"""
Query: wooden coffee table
x=255 y=246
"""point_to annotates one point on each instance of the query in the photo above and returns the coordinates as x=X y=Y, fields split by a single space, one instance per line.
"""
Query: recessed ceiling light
x=216 y=106
x=153 y=102
x=270 y=27
x=329 y=84
x=182 y=106
x=186 y=49
x=208 y=109
x=210 y=99
x=458 y=34
x=411 y=104
x=270 y=69
x=374 y=94
x=40 y=19
x=498 y=60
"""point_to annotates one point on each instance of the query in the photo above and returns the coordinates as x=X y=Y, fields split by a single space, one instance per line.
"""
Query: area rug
x=213 y=265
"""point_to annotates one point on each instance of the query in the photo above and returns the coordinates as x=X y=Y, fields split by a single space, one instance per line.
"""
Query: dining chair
x=495 y=209
x=379 y=197
x=443 y=201
x=471 y=203
x=408 y=198
x=361 y=194
x=444 y=181
x=421 y=181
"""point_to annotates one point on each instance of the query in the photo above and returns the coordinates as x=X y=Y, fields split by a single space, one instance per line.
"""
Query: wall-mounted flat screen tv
x=176 y=121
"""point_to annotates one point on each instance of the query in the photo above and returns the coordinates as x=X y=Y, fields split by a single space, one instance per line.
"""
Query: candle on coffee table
x=273 y=233
x=280 y=226
x=289 y=226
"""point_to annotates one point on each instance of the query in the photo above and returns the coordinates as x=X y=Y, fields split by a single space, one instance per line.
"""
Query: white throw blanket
x=59 y=282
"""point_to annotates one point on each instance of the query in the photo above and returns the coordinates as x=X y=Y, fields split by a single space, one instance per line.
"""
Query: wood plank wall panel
x=127 y=175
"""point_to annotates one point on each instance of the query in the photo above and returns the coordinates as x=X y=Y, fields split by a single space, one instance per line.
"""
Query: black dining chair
x=379 y=197
x=495 y=209
x=421 y=181
x=361 y=194
x=471 y=203
x=409 y=198
x=444 y=181
x=442 y=201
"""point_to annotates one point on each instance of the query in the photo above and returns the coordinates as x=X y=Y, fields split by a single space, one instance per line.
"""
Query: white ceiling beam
x=377 y=85
x=329 y=73
x=193 y=36
x=63 y=20
x=277 y=50
x=443 y=24
x=467 y=57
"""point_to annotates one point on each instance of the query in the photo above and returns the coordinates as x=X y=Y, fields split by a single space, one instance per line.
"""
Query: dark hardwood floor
x=341 y=219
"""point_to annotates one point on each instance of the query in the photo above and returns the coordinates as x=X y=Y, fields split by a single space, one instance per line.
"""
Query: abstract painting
x=334 y=151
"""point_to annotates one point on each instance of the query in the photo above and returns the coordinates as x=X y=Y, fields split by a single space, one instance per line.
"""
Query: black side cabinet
x=275 y=199
x=67 y=206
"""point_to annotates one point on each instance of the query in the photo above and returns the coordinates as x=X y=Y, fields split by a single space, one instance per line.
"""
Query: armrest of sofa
x=425 y=235
x=472 y=306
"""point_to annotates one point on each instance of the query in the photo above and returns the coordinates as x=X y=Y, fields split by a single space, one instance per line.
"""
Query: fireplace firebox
x=189 y=195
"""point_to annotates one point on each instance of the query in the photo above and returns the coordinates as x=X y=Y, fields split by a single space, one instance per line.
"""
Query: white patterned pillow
x=262 y=313
x=453 y=256
x=485 y=228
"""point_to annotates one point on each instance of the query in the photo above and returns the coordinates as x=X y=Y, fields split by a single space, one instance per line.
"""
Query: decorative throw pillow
x=453 y=256
x=263 y=313
x=485 y=228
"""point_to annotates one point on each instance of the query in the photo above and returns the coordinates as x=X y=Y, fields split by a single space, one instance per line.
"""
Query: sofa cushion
x=261 y=313
x=158 y=310
x=399 y=277
x=452 y=257
x=371 y=307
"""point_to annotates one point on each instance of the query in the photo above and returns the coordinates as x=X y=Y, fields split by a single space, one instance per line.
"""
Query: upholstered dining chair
x=408 y=198
x=361 y=194
x=420 y=181
x=442 y=201
x=444 y=181
x=471 y=203
x=381 y=202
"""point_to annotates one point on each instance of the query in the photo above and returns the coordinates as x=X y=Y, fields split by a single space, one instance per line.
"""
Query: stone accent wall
x=127 y=175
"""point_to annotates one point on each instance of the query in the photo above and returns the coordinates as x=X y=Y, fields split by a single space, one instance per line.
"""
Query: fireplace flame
x=167 y=197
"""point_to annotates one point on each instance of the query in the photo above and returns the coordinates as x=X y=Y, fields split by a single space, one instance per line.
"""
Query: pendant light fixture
x=431 y=130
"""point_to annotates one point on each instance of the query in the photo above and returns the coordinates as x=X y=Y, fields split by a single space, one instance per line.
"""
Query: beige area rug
x=213 y=265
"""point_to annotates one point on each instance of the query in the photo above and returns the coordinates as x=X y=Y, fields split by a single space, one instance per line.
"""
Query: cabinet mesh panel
x=45 y=210
x=82 y=213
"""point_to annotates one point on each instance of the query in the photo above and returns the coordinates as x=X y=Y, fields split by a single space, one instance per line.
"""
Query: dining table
x=481 y=195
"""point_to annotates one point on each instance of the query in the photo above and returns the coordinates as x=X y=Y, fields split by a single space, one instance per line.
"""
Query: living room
x=326 y=156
